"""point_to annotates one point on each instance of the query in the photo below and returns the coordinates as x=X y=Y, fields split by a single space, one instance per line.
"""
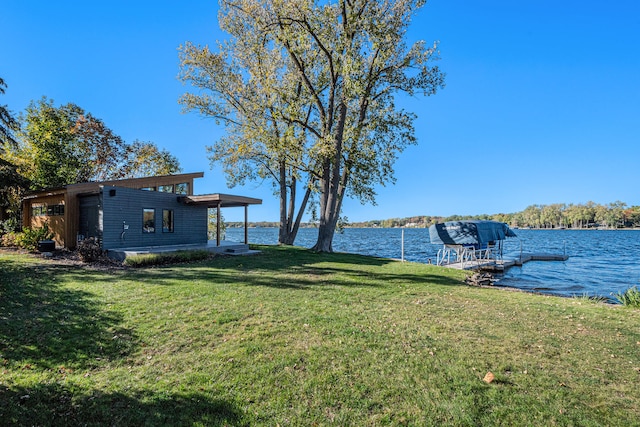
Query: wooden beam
x=218 y=225
x=246 y=224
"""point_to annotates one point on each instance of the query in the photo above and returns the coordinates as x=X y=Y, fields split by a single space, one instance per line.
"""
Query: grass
x=294 y=338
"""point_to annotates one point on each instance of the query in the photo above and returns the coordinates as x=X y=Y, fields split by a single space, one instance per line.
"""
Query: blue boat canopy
x=469 y=232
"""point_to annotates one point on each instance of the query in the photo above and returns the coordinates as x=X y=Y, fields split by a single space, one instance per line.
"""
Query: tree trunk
x=288 y=227
x=282 y=234
x=288 y=237
x=332 y=187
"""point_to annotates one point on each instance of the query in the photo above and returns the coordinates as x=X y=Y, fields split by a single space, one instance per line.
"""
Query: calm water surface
x=601 y=262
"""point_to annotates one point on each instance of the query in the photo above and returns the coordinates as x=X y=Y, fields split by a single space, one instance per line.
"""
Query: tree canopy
x=8 y=123
x=307 y=90
x=64 y=145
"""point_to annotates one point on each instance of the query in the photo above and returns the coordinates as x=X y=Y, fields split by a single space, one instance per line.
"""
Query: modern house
x=138 y=212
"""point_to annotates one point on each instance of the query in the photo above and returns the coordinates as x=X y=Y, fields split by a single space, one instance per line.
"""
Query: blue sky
x=541 y=105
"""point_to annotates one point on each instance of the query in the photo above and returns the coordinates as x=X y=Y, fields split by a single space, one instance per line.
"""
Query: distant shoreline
x=234 y=224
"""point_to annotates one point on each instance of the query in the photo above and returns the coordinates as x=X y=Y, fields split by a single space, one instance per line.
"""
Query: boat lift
x=470 y=244
x=479 y=245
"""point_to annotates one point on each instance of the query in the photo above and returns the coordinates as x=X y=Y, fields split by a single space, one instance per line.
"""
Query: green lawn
x=290 y=337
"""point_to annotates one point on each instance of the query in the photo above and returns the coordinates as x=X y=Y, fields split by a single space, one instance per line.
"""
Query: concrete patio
x=226 y=248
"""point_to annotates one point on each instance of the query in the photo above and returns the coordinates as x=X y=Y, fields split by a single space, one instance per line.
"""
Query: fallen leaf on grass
x=489 y=377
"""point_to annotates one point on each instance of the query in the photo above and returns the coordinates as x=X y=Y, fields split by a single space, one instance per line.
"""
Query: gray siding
x=125 y=208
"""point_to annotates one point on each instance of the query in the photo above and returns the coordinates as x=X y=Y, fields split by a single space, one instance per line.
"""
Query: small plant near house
x=9 y=239
x=9 y=230
x=630 y=297
x=89 y=250
x=10 y=225
x=30 y=236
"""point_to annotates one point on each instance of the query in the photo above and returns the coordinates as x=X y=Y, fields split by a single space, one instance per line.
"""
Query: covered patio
x=218 y=201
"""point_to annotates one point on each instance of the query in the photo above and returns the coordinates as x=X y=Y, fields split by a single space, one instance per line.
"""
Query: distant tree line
x=558 y=215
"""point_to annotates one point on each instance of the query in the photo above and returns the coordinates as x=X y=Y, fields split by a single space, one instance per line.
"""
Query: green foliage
x=146 y=159
x=30 y=236
x=146 y=260
x=60 y=145
x=9 y=225
x=12 y=187
x=307 y=92
x=630 y=297
x=8 y=123
x=212 y=224
x=9 y=232
x=592 y=298
x=9 y=239
x=63 y=145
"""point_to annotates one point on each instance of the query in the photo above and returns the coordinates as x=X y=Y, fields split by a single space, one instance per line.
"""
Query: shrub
x=630 y=297
x=10 y=225
x=89 y=250
x=29 y=237
x=166 y=258
x=9 y=239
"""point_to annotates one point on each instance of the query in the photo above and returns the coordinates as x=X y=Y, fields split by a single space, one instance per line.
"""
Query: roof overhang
x=45 y=193
x=222 y=200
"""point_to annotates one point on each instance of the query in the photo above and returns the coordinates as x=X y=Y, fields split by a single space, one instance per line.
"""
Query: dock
x=498 y=266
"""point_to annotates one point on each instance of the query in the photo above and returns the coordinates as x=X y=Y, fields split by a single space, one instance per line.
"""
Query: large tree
x=8 y=123
x=64 y=145
x=339 y=67
x=12 y=184
x=146 y=159
x=248 y=86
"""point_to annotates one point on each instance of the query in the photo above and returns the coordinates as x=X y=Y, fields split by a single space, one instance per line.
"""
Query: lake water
x=601 y=262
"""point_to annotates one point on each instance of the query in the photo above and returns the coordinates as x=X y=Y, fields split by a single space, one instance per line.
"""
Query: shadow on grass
x=296 y=268
x=55 y=405
x=45 y=325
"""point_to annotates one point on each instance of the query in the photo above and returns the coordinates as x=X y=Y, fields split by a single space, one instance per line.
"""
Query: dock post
x=520 y=251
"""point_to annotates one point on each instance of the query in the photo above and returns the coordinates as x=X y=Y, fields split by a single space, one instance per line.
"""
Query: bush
x=166 y=258
x=11 y=225
x=30 y=237
x=630 y=297
x=9 y=239
x=89 y=250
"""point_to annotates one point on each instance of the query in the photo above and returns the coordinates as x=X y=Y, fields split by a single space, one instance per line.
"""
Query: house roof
x=88 y=187
x=222 y=200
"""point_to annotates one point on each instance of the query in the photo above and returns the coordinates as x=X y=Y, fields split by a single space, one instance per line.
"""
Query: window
x=182 y=188
x=44 y=210
x=149 y=188
x=167 y=221
x=148 y=220
x=165 y=188
x=38 y=210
